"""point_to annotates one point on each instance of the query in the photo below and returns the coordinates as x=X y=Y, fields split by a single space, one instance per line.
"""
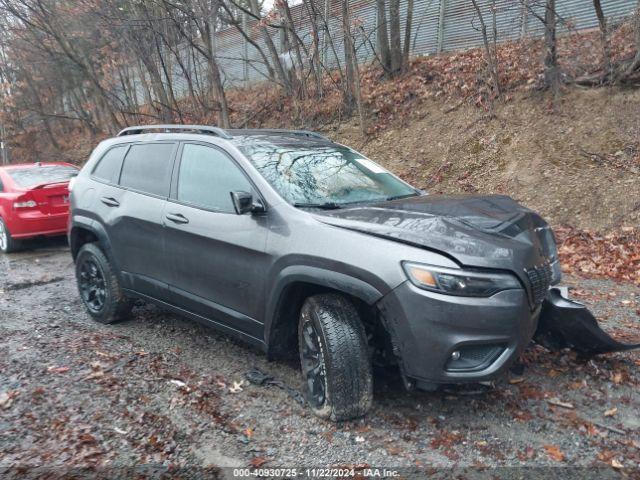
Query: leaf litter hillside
x=574 y=157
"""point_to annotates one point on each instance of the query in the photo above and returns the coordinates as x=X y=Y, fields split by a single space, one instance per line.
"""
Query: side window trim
x=173 y=194
x=102 y=180
x=172 y=160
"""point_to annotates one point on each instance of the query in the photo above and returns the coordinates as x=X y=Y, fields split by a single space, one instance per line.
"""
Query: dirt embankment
x=577 y=164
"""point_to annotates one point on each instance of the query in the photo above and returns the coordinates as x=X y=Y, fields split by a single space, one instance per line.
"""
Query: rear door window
x=41 y=175
x=147 y=168
x=108 y=168
x=207 y=177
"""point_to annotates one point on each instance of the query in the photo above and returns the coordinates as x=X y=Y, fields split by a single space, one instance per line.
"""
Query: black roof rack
x=205 y=129
x=282 y=131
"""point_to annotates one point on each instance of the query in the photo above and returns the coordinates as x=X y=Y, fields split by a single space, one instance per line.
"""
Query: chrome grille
x=539 y=281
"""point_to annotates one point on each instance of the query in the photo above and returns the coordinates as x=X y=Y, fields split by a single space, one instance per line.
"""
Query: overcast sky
x=269 y=3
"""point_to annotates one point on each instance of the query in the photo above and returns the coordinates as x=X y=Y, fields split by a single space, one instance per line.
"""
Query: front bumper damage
x=443 y=339
x=565 y=323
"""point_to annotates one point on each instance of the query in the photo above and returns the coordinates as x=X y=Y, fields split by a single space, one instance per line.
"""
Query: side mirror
x=243 y=202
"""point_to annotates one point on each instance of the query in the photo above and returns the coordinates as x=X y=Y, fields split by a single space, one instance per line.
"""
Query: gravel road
x=161 y=390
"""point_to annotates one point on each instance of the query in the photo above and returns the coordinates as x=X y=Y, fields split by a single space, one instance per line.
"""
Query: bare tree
x=352 y=91
x=203 y=16
x=393 y=57
x=490 y=48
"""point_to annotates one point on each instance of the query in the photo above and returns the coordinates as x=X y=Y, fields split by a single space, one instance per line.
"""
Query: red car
x=34 y=201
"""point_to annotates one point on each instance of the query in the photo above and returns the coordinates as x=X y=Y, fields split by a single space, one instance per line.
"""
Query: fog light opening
x=473 y=358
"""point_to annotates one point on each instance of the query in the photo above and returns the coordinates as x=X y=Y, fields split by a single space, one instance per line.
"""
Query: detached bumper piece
x=567 y=324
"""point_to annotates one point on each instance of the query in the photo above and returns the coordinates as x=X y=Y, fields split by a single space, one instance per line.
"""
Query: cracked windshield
x=324 y=176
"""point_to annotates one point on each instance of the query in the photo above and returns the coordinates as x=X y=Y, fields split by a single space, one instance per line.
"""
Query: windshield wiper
x=324 y=206
x=398 y=197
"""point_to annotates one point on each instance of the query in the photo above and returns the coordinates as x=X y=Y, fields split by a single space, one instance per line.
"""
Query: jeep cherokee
x=295 y=243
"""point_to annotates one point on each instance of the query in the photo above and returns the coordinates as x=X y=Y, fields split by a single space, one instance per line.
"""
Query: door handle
x=110 y=202
x=177 y=218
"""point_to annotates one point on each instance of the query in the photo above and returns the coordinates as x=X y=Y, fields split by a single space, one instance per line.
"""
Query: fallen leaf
x=555 y=453
x=5 y=400
x=611 y=412
x=237 y=387
x=257 y=462
x=393 y=450
x=616 y=464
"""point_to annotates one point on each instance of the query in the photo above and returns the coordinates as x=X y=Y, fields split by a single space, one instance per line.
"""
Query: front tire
x=7 y=243
x=99 y=286
x=338 y=381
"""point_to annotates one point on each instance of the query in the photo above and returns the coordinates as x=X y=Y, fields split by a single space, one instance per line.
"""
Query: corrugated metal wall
x=438 y=25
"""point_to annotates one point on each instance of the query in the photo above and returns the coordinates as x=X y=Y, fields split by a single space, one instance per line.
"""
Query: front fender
x=315 y=276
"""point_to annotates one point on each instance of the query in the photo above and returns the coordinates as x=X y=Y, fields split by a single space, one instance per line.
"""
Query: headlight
x=466 y=283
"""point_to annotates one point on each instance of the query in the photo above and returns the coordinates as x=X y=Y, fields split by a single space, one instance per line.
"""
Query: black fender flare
x=315 y=276
x=93 y=226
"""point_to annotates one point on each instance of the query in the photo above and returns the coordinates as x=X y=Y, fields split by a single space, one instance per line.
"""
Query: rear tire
x=99 y=286
x=338 y=380
x=7 y=243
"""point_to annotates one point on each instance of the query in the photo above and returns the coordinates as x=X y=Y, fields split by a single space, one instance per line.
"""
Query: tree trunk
x=282 y=74
x=551 y=68
x=606 y=50
x=407 y=34
x=395 y=43
x=215 y=78
x=41 y=110
x=492 y=62
x=635 y=64
x=383 y=35
x=161 y=97
x=295 y=43
x=349 y=58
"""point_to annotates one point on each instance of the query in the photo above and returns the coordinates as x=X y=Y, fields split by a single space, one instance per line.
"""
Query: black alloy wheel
x=92 y=285
x=99 y=286
x=313 y=367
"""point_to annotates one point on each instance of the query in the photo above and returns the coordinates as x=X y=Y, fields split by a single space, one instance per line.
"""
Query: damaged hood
x=480 y=231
